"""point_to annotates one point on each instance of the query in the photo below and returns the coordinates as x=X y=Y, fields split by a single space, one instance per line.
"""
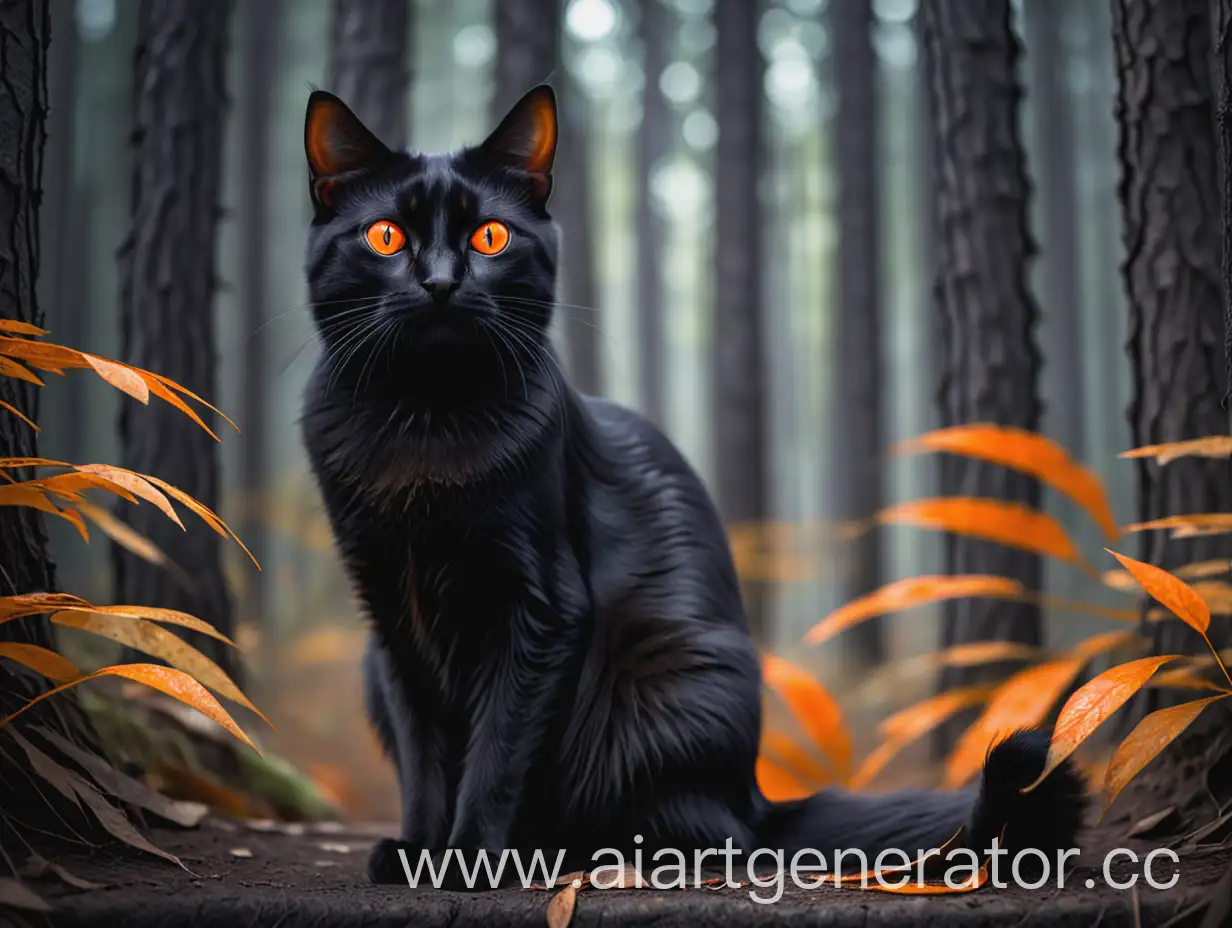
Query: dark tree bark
x=259 y=58
x=989 y=360
x=167 y=288
x=739 y=385
x=369 y=67
x=25 y=567
x=1043 y=21
x=529 y=51
x=1170 y=201
x=653 y=141
x=859 y=434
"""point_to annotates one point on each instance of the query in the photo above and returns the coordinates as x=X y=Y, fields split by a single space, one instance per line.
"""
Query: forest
x=934 y=295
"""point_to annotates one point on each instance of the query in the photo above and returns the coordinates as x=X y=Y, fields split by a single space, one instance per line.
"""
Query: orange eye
x=385 y=238
x=490 y=238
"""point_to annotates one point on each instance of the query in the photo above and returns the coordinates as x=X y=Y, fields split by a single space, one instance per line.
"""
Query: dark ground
x=316 y=878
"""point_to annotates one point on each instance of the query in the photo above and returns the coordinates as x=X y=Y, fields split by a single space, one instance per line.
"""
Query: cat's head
x=439 y=266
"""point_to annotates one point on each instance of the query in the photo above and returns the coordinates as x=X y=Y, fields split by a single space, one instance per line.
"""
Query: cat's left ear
x=526 y=138
x=337 y=144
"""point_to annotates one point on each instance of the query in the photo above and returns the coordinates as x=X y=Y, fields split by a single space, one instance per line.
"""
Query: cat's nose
x=441 y=286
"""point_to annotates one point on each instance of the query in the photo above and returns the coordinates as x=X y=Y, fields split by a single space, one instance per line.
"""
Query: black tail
x=1048 y=818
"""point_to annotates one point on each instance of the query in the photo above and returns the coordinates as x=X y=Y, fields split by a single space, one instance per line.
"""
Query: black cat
x=559 y=657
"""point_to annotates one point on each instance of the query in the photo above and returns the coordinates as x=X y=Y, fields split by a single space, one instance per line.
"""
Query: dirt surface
x=316 y=878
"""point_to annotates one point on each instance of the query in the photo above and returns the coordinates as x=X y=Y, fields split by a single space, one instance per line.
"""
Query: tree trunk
x=369 y=67
x=166 y=294
x=1170 y=201
x=989 y=361
x=1044 y=20
x=653 y=141
x=529 y=51
x=26 y=567
x=858 y=474
x=739 y=384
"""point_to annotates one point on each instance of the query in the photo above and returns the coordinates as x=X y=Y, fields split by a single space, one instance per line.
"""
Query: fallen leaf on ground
x=240 y=852
x=38 y=867
x=560 y=909
x=20 y=896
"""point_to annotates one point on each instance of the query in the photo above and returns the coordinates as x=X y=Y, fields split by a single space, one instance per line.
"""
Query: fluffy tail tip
x=1049 y=817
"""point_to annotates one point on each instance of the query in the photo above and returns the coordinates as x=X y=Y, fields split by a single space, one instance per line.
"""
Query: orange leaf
x=17 y=327
x=23 y=603
x=23 y=494
x=168 y=680
x=1022 y=701
x=205 y=513
x=914 y=721
x=1098 y=644
x=1029 y=453
x=1213 y=521
x=787 y=753
x=1149 y=737
x=11 y=368
x=1173 y=593
x=1093 y=703
x=1213 y=446
x=136 y=484
x=48 y=663
x=153 y=613
x=156 y=387
x=74 y=517
x=19 y=414
x=1009 y=524
x=904 y=594
x=876 y=762
x=776 y=784
x=813 y=707
x=74 y=482
x=124 y=534
x=168 y=382
x=120 y=376
x=1184 y=678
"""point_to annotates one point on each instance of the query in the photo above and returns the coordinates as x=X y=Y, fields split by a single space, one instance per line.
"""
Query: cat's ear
x=336 y=143
x=525 y=140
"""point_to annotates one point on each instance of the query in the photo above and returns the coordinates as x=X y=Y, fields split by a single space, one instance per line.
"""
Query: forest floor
x=269 y=878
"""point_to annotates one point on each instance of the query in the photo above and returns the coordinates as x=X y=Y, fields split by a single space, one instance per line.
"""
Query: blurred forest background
x=748 y=193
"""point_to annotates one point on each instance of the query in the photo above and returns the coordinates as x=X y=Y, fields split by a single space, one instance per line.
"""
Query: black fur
x=559 y=656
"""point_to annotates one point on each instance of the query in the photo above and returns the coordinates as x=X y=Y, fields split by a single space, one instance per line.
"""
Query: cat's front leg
x=511 y=715
x=416 y=748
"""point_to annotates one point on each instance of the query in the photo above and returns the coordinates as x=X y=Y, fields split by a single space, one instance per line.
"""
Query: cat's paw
x=385 y=865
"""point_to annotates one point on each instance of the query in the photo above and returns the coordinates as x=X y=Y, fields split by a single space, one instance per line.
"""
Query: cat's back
x=657 y=535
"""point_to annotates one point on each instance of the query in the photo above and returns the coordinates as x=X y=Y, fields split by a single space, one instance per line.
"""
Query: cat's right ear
x=337 y=145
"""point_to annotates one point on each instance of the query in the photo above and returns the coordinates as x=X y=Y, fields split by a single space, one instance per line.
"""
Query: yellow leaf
x=11 y=368
x=1093 y=703
x=17 y=327
x=904 y=594
x=120 y=376
x=158 y=642
x=776 y=784
x=813 y=707
x=1010 y=524
x=122 y=534
x=1149 y=737
x=1029 y=453
x=1171 y=592
x=136 y=484
x=154 y=614
x=174 y=683
x=1022 y=701
x=1205 y=521
x=19 y=414
x=1213 y=446
x=48 y=663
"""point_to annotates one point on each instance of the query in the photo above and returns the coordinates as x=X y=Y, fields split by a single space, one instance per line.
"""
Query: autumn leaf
x=120 y=376
x=17 y=327
x=1029 y=453
x=1170 y=591
x=19 y=414
x=158 y=642
x=135 y=484
x=968 y=654
x=905 y=594
x=1213 y=446
x=1099 y=644
x=11 y=368
x=788 y=754
x=777 y=784
x=205 y=513
x=1022 y=701
x=1184 y=678
x=174 y=683
x=560 y=909
x=122 y=534
x=48 y=663
x=1092 y=704
x=1149 y=737
x=1010 y=524
x=1202 y=522
x=23 y=603
x=153 y=613
x=813 y=707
